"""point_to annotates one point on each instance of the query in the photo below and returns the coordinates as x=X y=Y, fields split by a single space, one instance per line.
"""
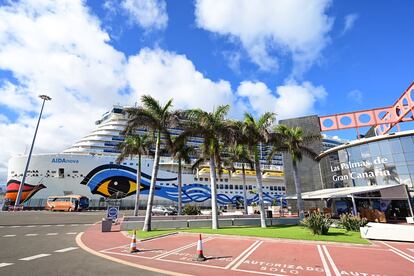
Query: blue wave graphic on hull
x=111 y=179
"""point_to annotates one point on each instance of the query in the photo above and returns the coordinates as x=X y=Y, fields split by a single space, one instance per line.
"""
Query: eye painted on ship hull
x=113 y=180
x=117 y=186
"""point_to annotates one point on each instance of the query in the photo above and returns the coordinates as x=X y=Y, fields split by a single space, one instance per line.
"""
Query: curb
x=96 y=253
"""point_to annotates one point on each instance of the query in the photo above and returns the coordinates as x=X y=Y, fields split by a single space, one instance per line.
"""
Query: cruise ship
x=88 y=168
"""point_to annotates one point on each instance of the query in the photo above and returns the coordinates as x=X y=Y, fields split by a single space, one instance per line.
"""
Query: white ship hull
x=99 y=177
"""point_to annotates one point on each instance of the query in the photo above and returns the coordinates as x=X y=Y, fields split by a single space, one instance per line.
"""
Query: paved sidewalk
x=229 y=255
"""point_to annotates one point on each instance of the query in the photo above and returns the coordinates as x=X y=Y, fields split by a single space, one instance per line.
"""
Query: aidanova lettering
x=64 y=160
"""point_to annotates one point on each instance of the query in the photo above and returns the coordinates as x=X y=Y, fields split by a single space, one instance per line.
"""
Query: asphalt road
x=43 y=243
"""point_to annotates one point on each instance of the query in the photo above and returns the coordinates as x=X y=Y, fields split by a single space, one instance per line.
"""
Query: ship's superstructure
x=88 y=168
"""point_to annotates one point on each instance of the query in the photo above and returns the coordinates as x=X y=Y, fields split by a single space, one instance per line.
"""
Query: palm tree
x=295 y=142
x=238 y=153
x=181 y=152
x=135 y=145
x=158 y=119
x=257 y=132
x=215 y=130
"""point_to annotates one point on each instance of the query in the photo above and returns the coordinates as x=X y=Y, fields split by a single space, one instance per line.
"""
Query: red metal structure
x=383 y=119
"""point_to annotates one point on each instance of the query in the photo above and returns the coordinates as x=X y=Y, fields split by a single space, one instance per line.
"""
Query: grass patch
x=284 y=232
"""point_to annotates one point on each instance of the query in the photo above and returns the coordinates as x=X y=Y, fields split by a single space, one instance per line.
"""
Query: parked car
x=162 y=210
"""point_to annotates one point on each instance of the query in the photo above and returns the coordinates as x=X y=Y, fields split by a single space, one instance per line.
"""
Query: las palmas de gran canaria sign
x=371 y=167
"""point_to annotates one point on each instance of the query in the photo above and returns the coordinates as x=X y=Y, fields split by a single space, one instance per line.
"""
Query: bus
x=69 y=203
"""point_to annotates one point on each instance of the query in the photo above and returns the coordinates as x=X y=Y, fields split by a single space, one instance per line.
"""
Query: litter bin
x=269 y=214
x=106 y=225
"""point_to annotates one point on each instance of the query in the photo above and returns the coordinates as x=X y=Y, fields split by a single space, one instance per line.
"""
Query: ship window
x=125 y=163
x=81 y=175
x=221 y=179
x=205 y=179
x=271 y=188
x=226 y=187
x=221 y=186
x=283 y=188
x=250 y=187
x=131 y=164
x=75 y=171
x=195 y=178
x=226 y=180
x=61 y=173
x=111 y=162
x=279 y=188
x=231 y=187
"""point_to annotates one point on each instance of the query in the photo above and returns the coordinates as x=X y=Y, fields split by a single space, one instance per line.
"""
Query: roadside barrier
x=133 y=247
x=200 y=256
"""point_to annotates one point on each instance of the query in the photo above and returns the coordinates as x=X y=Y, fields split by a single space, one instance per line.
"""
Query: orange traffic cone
x=199 y=256
x=133 y=247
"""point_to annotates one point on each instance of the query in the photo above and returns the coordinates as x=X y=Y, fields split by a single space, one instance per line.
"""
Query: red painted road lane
x=279 y=258
x=366 y=262
x=401 y=248
x=255 y=256
x=156 y=247
x=100 y=241
x=220 y=252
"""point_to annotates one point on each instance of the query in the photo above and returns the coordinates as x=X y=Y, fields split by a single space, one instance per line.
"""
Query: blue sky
x=291 y=57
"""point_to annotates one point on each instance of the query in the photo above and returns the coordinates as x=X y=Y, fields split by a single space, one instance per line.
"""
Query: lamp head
x=45 y=97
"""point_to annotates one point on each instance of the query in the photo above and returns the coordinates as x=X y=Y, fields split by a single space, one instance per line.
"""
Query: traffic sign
x=112 y=213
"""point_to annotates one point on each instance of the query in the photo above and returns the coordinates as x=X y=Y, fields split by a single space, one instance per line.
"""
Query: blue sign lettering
x=64 y=160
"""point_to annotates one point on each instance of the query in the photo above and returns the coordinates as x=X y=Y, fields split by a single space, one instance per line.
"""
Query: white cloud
x=355 y=95
x=55 y=48
x=59 y=48
x=151 y=14
x=166 y=75
x=288 y=101
x=349 y=22
x=270 y=29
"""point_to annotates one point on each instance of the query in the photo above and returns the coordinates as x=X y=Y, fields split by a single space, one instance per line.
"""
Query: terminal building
x=372 y=175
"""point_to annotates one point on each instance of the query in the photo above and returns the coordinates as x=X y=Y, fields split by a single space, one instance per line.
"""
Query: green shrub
x=351 y=222
x=318 y=223
x=191 y=210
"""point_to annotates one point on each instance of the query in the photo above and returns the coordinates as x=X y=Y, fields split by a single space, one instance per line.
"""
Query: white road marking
x=246 y=256
x=335 y=269
x=411 y=249
x=8 y=236
x=34 y=257
x=401 y=255
x=241 y=255
x=74 y=225
x=15 y=226
x=5 y=264
x=60 y=225
x=1 y=226
x=46 y=225
x=397 y=250
x=71 y=233
x=31 y=235
x=66 y=249
x=30 y=226
x=179 y=249
x=51 y=234
x=325 y=265
x=88 y=224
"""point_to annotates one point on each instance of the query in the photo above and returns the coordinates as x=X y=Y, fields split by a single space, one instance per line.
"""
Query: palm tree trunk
x=214 y=214
x=298 y=187
x=260 y=190
x=180 y=183
x=155 y=166
x=137 y=192
x=244 y=189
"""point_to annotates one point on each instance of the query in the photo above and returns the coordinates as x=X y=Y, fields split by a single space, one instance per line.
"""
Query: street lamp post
x=19 y=193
